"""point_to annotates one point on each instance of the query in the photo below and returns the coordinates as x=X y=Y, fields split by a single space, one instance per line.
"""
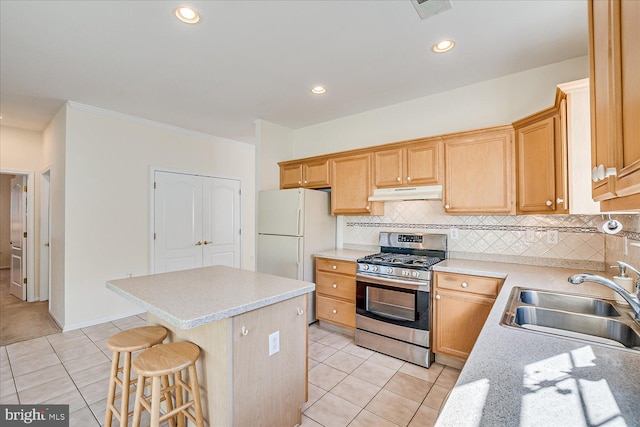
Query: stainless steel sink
x=571 y=303
x=587 y=319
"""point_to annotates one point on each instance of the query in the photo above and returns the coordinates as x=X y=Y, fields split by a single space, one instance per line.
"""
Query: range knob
x=405 y=273
x=416 y=274
x=365 y=266
x=389 y=270
x=374 y=268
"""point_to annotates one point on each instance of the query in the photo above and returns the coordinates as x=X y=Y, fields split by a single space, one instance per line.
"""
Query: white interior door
x=220 y=222
x=177 y=222
x=18 y=237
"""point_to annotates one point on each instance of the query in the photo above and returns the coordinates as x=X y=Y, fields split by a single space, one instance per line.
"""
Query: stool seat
x=137 y=339
x=166 y=359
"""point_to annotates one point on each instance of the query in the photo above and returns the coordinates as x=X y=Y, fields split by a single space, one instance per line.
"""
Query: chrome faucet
x=633 y=300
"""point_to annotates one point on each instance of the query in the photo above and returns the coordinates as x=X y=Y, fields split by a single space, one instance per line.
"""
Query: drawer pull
x=300 y=311
x=464 y=284
x=335 y=311
x=335 y=286
x=244 y=331
x=334 y=266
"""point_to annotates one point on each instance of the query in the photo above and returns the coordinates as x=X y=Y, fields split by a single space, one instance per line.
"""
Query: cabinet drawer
x=489 y=286
x=335 y=311
x=336 y=285
x=336 y=266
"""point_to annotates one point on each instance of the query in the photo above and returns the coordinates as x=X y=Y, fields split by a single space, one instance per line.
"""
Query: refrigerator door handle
x=300 y=258
x=298 y=222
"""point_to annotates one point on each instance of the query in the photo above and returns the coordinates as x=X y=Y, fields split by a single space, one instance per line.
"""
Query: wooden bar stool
x=127 y=342
x=159 y=363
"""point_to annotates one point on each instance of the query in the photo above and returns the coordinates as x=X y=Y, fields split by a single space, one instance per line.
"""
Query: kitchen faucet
x=633 y=300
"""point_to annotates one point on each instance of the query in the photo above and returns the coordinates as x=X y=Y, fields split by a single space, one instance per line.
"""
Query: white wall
x=5 y=220
x=108 y=191
x=21 y=150
x=493 y=102
x=53 y=158
x=274 y=143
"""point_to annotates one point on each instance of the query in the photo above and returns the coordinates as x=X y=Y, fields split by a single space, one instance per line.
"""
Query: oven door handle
x=424 y=286
x=387 y=316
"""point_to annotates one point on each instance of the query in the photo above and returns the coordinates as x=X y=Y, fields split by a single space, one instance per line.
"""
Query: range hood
x=429 y=192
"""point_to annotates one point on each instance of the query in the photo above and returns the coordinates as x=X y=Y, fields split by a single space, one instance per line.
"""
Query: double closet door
x=196 y=221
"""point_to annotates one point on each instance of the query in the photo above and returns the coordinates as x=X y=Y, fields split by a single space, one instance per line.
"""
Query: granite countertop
x=190 y=298
x=520 y=378
x=344 y=254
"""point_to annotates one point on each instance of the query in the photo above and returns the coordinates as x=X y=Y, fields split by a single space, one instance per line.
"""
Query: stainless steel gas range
x=393 y=295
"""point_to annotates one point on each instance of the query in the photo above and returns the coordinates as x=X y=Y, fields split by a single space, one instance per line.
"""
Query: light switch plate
x=274 y=343
x=552 y=237
x=530 y=235
x=453 y=233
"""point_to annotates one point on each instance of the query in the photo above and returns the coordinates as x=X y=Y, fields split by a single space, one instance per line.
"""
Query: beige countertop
x=190 y=298
x=515 y=377
x=344 y=254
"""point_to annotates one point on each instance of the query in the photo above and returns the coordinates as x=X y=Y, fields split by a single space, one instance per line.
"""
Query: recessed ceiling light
x=187 y=14
x=318 y=90
x=443 y=46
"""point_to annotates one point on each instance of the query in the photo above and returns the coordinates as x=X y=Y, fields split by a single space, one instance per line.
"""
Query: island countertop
x=191 y=298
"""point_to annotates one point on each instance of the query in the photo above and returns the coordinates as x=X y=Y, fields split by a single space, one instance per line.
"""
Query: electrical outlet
x=274 y=343
x=530 y=235
x=552 y=237
x=453 y=233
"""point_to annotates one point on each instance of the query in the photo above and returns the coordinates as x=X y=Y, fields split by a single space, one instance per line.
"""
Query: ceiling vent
x=427 y=8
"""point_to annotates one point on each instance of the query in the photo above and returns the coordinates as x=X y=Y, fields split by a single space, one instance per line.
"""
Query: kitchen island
x=515 y=377
x=251 y=330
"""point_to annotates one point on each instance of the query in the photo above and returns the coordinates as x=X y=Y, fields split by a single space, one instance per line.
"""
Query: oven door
x=401 y=304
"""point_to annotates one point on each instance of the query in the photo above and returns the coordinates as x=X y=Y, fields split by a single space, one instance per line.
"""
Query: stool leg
x=195 y=389
x=126 y=386
x=155 y=402
x=168 y=400
x=137 y=408
x=112 y=389
x=179 y=398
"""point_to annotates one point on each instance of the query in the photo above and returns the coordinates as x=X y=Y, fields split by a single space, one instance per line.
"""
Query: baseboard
x=94 y=322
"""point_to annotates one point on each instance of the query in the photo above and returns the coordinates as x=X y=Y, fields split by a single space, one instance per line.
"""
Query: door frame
x=31 y=259
x=152 y=195
x=45 y=236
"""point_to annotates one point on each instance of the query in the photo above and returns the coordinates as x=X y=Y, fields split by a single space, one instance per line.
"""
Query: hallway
x=20 y=320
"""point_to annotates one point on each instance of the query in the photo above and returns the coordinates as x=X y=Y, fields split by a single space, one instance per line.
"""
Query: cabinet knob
x=244 y=331
x=334 y=266
x=299 y=182
x=437 y=296
x=446 y=206
x=335 y=311
x=368 y=207
x=548 y=203
x=306 y=182
x=559 y=200
x=464 y=284
x=335 y=286
x=300 y=311
x=601 y=172
x=408 y=179
x=398 y=179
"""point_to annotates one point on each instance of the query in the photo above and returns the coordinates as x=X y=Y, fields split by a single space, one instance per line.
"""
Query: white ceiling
x=251 y=60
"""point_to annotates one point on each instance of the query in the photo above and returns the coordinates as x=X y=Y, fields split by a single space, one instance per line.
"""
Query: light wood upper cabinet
x=541 y=163
x=479 y=175
x=306 y=174
x=614 y=52
x=351 y=186
x=418 y=163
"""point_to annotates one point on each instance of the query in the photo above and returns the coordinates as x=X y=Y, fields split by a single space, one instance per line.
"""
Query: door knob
x=46 y=245
x=198 y=243
x=207 y=242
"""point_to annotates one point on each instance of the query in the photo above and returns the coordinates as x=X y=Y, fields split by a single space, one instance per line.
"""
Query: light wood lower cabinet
x=461 y=306
x=336 y=291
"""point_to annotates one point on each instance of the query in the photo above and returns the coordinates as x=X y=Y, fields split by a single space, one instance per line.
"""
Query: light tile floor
x=348 y=385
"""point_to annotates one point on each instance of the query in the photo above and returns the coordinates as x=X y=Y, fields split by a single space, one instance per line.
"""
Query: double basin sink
x=587 y=319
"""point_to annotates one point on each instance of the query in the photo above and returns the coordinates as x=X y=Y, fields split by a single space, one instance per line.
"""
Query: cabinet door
x=351 y=186
x=275 y=384
x=291 y=176
x=388 y=167
x=423 y=163
x=536 y=171
x=479 y=173
x=315 y=174
x=458 y=320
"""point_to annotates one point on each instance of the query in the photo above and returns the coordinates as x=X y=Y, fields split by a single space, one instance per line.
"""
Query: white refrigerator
x=293 y=225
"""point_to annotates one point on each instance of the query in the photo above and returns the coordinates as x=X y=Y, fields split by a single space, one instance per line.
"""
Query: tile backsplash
x=522 y=239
